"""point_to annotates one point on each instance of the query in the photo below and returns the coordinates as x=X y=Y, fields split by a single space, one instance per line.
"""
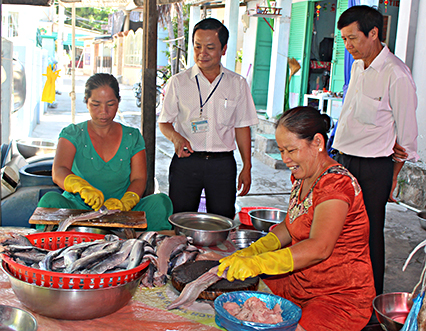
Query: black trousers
x=216 y=173
x=374 y=175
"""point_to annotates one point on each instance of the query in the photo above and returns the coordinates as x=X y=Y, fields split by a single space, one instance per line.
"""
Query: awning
x=28 y=2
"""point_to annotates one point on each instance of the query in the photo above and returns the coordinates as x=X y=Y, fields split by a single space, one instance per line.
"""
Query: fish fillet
x=192 y=290
x=163 y=252
x=63 y=225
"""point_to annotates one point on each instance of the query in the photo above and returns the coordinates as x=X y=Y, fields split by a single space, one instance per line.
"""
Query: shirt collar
x=196 y=71
x=380 y=59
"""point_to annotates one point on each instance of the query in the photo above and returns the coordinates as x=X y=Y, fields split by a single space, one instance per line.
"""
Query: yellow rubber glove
x=113 y=203
x=127 y=202
x=92 y=196
x=270 y=263
x=265 y=244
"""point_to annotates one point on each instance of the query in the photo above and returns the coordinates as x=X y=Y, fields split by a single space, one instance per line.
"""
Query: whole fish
x=136 y=254
x=113 y=260
x=90 y=260
x=148 y=277
x=47 y=262
x=64 y=224
x=28 y=257
x=163 y=252
x=178 y=250
x=192 y=290
x=148 y=236
x=74 y=252
x=186 y=256
x=14 y=239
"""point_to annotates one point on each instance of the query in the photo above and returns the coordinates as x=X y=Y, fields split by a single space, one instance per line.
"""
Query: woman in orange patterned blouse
x=320 y=253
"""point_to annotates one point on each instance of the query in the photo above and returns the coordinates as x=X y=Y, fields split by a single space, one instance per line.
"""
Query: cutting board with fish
x=190 y=271
x=124 y=219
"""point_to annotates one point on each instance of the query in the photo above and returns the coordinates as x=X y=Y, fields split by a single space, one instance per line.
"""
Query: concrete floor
x=270 y=187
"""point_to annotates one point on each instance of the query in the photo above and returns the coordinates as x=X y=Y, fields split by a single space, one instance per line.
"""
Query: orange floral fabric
x=337 y=293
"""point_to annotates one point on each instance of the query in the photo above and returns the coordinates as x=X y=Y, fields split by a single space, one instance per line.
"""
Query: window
x=133 y=48
x=12 y=25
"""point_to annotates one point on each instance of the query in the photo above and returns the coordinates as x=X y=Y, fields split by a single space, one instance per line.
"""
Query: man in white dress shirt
x=377 y=130
x=206 y=109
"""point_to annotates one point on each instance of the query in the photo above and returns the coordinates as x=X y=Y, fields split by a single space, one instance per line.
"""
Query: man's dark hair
x=366 y=17
x=213 y=24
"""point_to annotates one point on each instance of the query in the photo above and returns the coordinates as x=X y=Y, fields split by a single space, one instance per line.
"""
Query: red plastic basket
x=55 y=240
x=245 y=217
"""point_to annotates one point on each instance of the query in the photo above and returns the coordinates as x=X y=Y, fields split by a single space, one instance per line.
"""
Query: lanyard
x=211 y=93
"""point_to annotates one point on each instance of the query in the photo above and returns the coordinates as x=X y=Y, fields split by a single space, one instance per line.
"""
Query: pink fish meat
x=192 y=290
x=163 y=252
x=254 y=310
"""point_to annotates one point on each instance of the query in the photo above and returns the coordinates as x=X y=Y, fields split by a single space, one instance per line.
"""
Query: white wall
x=419 y=76
x=249 y=46
x=35 y=61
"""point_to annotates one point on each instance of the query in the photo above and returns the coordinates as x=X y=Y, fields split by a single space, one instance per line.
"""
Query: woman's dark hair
x=367 y=18
x=99 y=80
x=213 y=24
x=305 y=122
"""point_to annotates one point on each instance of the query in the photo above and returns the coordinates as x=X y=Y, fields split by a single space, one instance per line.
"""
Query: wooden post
x=148 y=93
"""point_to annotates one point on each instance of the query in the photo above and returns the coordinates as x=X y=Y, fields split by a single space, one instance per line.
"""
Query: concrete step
x=265 y=143
x=266 y=148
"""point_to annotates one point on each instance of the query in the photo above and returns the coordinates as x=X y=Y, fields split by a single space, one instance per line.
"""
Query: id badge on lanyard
x=201 y=124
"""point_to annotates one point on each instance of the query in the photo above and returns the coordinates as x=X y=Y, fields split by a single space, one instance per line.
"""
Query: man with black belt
x=205 y=110
x=378 y=123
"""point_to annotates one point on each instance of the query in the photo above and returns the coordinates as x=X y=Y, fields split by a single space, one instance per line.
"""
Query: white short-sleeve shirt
x=230 y=106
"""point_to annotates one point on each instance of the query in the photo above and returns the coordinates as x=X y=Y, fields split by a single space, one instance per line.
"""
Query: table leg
x=48 y=228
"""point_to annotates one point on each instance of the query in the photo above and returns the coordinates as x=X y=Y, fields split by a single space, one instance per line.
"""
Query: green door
x=300 y=45
x=261 y=66
x=337 y=76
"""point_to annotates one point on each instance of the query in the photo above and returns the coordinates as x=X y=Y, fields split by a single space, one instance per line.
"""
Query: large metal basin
x=72 y=304
x=392 y=309
x=263 y=219
x=205 y=229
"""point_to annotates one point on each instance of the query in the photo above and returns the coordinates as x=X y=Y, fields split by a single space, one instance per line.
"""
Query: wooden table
x=127 y=220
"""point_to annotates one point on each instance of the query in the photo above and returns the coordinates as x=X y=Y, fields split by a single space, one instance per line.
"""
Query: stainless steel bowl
x=35 y=146
x=72 y=304
x=392 y=309
x=244 y=238
x=205 y=229
x=90 y=229
x=263 y=219
x=12 y=318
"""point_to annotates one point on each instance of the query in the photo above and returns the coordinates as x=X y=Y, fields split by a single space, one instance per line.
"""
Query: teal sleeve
x=138 y=141
x=72 y=132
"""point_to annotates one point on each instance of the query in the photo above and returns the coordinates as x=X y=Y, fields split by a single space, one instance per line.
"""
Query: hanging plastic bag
x=49 y=90
x=411 y=321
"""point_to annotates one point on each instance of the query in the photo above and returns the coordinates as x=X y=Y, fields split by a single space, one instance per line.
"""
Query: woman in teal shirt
x=102 y=162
